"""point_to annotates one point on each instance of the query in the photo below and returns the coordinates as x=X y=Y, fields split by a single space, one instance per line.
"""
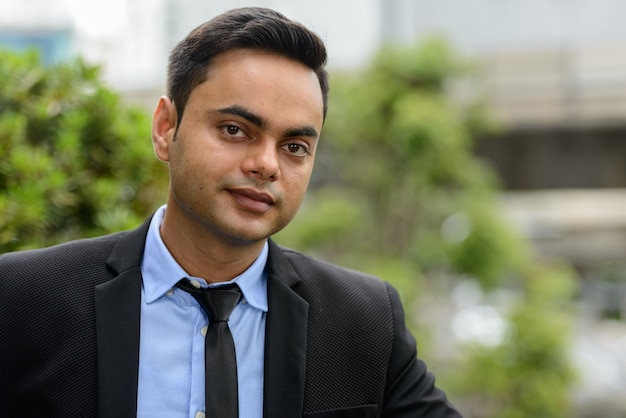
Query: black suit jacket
x=336 y=342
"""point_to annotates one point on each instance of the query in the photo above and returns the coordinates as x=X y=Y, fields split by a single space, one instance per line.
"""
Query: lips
x=252 y=200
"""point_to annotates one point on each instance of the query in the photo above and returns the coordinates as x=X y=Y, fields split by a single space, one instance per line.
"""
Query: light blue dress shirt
x=173 y=325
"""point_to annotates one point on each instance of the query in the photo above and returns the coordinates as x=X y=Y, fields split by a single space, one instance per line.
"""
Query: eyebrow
x=236 y=110
x=244 y=113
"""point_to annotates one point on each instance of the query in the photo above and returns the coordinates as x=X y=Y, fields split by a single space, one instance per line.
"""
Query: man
x=103 y=327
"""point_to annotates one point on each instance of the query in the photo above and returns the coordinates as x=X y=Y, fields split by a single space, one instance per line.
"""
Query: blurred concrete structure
x=554 y=75
x=132 y=39
x=587 y=227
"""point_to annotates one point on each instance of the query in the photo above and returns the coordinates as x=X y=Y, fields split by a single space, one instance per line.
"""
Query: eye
x=296 y=149
x=233 y=131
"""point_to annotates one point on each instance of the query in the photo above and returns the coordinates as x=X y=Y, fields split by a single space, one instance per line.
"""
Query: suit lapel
x=118 y=305
x=285 y=340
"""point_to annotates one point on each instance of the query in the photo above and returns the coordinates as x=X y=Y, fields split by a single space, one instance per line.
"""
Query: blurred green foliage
x=401 y=194
x=530 y=374
x=74 y=161
x=400 y=178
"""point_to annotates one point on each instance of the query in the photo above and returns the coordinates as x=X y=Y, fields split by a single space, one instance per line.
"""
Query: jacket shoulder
x=60 y=257
x=357 y=339
x=322 y=273
x=350 y=332
x=47 y=307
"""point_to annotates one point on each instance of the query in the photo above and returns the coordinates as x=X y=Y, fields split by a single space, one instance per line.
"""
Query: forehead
x=261 y=81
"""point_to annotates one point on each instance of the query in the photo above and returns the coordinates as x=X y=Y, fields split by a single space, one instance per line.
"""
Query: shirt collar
x=161 y=272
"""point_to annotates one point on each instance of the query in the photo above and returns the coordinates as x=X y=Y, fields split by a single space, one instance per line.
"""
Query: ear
x=163 y=127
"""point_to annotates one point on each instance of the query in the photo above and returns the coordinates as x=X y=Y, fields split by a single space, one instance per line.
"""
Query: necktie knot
x=217 y=302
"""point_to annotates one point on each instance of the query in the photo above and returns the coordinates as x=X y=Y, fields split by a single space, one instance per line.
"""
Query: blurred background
x=473 y=156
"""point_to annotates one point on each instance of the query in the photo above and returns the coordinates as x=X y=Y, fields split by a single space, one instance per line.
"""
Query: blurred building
x=554 y=74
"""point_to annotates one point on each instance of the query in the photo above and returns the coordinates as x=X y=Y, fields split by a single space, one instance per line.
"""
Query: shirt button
x=196 y=284
x=203 y=331
x=170 y=292
x=200 y=414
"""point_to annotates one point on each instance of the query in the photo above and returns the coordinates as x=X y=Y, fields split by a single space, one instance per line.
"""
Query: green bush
x=530 y=374
x=397 y=152
x=75 y=161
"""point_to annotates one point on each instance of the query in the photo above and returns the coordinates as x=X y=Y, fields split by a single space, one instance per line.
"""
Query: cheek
x=296 y=187
x=203 y=159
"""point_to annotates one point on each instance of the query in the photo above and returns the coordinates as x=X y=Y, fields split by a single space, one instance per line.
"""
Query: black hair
x=246 y=28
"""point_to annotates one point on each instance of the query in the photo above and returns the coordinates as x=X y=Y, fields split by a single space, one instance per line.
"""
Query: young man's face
x=243 y=154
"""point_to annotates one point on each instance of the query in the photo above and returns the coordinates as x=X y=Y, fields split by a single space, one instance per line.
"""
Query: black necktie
x=220 y=362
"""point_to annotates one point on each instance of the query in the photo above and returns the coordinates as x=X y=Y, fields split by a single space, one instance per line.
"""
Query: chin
x=246 y=236
x=250 y=231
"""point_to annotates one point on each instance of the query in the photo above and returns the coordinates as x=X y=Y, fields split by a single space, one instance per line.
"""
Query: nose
x=262 y=160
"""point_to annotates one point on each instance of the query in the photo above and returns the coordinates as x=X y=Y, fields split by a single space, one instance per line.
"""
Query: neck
x=202 y=254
